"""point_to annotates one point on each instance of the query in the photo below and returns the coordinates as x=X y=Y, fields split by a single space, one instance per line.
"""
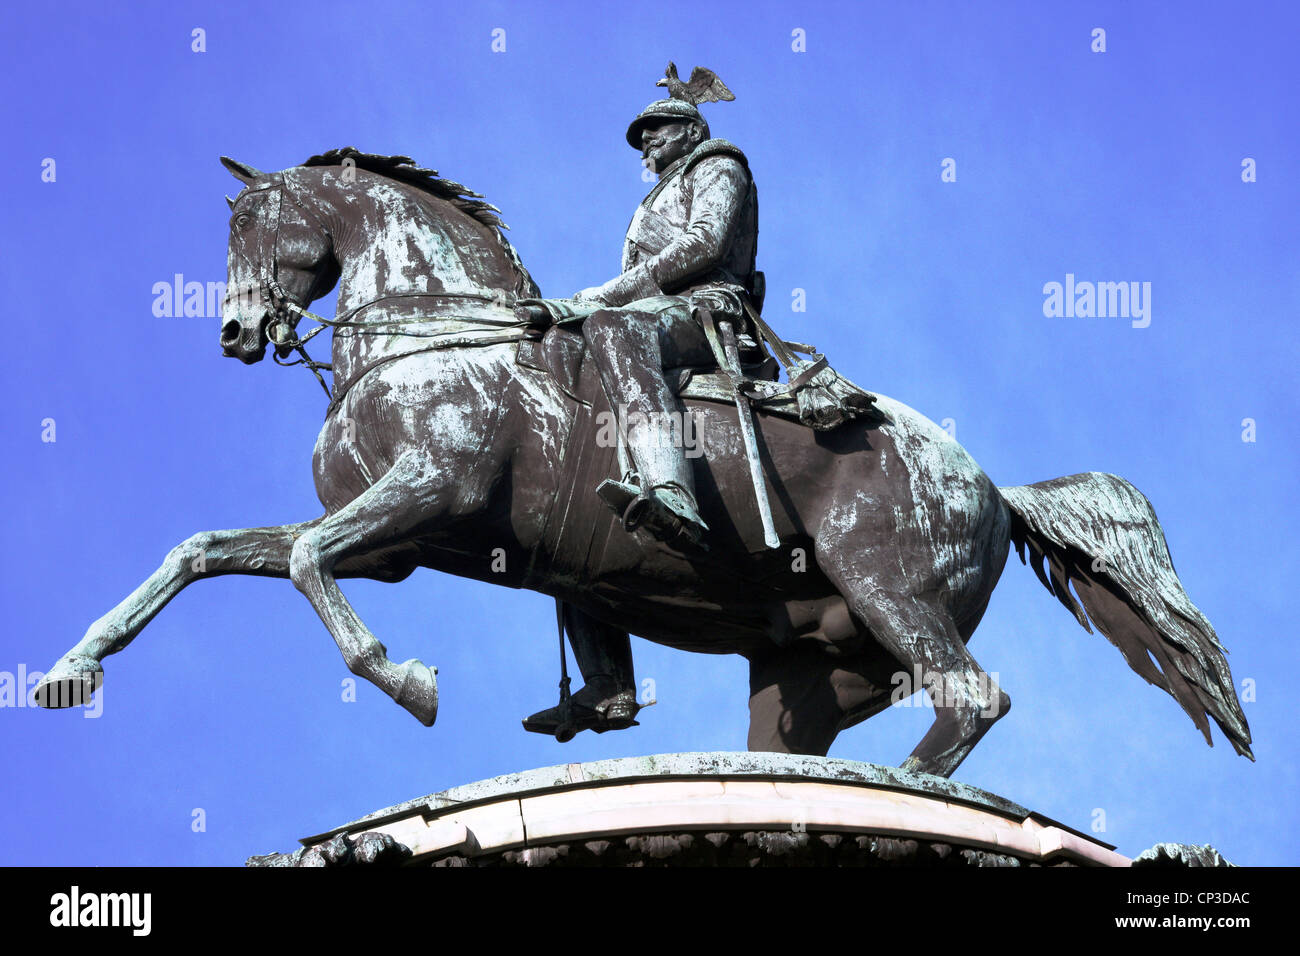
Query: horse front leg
x=409 y=499
x=259 y=551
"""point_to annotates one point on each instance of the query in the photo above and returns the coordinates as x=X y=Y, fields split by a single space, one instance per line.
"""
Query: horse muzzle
x=245 y=340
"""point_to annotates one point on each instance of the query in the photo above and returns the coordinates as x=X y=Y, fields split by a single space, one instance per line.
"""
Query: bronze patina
x=465 y=435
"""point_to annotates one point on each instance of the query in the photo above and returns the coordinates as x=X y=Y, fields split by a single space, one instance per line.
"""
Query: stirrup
x=670 y=518
x=570 y=717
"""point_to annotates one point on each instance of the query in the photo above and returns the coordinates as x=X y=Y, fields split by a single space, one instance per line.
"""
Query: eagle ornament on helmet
x=704 y=86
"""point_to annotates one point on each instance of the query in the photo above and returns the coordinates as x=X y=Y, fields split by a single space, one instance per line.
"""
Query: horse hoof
x=419 y=692
x=69 y=683
x=915 y=765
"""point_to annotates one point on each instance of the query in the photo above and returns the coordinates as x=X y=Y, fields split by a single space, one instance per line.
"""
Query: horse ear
x=230 y=202
x=241 y=171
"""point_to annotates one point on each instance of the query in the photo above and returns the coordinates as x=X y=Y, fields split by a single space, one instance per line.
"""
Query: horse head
x=403 y=246
x=279 y=256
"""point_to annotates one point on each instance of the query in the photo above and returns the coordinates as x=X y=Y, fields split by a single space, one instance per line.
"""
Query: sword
x=746 y=414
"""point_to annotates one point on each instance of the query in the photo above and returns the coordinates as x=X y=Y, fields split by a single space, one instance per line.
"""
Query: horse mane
x=404 y=169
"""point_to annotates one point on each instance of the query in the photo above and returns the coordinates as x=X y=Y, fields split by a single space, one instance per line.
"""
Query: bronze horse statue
x=444 y=448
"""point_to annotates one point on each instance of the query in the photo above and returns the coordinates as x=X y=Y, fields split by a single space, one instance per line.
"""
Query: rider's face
x=664 y=144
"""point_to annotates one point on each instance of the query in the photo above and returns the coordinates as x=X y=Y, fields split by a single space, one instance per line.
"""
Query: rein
x=284 y=336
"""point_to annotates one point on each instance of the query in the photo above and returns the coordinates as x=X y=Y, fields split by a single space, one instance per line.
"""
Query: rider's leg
x=603 y=653
x=607 y=700
x=631 y=346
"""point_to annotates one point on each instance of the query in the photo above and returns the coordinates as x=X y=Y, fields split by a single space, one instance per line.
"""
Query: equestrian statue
x=649 y=453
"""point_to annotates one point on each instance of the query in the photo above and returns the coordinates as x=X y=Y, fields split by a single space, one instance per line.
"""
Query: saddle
x=562 y=354
x=579 y=533
x=815 y=394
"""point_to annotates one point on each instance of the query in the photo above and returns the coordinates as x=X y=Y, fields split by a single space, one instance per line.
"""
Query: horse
x=442 y=448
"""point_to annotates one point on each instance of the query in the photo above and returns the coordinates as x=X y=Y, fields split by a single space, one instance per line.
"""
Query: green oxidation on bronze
x=464 y=434
x=1181 y=855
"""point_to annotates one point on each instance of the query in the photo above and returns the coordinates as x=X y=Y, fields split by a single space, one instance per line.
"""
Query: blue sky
x=1117 y=166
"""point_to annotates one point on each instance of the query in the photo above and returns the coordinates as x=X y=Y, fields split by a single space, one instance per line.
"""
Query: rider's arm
x=720 y=185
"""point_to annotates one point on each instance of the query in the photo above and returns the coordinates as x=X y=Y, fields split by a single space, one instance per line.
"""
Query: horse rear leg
x=800 y=698
x=258 y=551
x=921 y=634
x=409 y=498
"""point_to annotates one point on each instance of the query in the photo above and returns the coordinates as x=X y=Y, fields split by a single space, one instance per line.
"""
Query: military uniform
x=691 y=244
x=696 y=231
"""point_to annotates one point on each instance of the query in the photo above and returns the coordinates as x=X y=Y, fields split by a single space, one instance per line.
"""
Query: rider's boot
x=607 y=700
x=660 y=495
x=600 y=706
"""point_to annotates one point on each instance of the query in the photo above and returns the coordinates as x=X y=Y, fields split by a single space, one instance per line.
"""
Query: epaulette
x=714 y=147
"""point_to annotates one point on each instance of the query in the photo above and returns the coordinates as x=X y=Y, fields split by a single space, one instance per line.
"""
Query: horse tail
x=1098 y=533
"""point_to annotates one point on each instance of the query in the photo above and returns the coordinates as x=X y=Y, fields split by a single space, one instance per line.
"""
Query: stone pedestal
x=706 y=809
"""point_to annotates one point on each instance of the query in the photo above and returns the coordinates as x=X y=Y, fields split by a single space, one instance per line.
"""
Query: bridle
x=272 y=295
x=275 y=299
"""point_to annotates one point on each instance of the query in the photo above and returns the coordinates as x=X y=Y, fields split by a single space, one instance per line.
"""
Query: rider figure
x=691 y=245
